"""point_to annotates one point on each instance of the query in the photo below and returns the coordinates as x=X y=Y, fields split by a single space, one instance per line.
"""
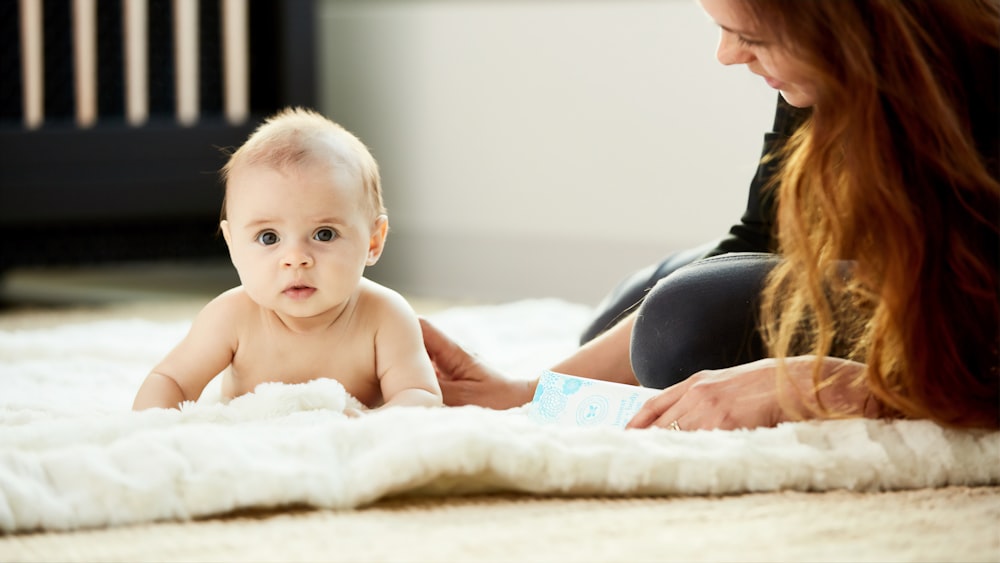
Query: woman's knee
x=703 y=316
x=627 y=296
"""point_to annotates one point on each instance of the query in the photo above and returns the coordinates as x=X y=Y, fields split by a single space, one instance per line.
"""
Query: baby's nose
x=297 y=257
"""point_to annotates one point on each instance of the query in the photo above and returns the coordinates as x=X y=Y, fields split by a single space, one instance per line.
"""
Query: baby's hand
x=352 y=412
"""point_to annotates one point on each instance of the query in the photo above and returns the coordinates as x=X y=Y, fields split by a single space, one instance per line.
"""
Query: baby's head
x=303 y=213
x=297 y=138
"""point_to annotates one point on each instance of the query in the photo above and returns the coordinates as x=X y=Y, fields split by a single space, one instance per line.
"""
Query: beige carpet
x=950 y=524
x=943 y=524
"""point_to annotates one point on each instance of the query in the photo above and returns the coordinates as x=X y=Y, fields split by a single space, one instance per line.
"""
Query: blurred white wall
x=540 y=148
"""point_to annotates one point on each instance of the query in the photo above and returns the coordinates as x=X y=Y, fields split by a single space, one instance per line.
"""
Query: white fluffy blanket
x=72 y=455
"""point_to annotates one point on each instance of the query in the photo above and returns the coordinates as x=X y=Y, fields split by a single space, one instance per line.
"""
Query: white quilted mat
x=72 y=455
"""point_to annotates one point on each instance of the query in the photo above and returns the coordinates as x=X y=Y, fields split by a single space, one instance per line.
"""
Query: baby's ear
x=380 y=230
x=224 y=227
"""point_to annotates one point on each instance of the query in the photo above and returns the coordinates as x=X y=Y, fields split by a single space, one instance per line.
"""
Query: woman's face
x=741 y=43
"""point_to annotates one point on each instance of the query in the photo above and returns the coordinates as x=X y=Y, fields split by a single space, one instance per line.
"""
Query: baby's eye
x=267 y=238
x=325 y=235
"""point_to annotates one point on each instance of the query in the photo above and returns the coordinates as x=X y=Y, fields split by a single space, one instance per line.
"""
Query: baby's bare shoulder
x=232 y=300
x=233 y=307
x=380 y=300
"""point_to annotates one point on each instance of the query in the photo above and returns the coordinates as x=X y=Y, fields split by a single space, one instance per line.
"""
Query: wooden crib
x=114 y=115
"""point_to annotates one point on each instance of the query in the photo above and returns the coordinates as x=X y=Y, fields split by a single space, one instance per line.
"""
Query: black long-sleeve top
x=754 y=232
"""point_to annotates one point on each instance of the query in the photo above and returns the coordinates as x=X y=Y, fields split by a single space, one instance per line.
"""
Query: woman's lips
x=776 y=84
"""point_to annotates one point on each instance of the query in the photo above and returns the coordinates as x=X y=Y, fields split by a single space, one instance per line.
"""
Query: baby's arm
x=405 y=372
x=201 y=355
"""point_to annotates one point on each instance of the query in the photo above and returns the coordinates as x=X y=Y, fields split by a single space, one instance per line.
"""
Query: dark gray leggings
x=696 y=314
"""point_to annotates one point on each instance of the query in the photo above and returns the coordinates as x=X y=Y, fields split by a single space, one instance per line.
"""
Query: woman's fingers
x=654 y=409
x=434 y=340
x=457 y=392
x=742 y=396
x=449 y=359
x=644 y=417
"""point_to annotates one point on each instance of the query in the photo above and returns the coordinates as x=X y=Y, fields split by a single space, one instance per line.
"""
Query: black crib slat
x=162 y=98
x=58 y=60
x=210 y=57
x=265 y=65
x=110 y=61
x=11 y=97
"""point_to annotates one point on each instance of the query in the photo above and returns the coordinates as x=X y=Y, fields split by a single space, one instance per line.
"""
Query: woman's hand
x=746 y=396
x=465 y=380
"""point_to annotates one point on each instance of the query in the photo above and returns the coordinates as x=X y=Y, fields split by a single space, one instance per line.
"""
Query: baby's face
x=299 y=238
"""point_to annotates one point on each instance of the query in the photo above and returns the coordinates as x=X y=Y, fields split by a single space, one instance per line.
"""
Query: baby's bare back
x=270 y=351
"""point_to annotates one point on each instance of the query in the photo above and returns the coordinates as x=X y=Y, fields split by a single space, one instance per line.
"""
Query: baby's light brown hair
x=296 y=137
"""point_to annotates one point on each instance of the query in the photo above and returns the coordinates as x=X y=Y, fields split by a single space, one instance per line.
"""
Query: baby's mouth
x=299 y=291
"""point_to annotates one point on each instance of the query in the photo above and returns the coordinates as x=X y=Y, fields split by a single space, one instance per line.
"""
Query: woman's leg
x=702 y=316
x=632 y=290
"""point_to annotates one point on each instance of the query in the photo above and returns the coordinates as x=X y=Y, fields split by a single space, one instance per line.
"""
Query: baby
x=302 y=217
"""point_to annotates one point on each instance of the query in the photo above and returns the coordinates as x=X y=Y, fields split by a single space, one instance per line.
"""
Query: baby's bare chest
x=349 y=359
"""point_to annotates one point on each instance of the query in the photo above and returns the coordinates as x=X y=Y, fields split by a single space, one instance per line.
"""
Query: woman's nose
x=730 y=52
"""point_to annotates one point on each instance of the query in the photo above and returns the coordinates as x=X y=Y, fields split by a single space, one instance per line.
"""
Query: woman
x=882 y=297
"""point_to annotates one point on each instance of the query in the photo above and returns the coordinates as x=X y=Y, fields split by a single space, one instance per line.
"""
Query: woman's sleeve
x=754 y=231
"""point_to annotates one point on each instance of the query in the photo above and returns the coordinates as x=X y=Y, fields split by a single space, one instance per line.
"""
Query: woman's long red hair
x=896 y=171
